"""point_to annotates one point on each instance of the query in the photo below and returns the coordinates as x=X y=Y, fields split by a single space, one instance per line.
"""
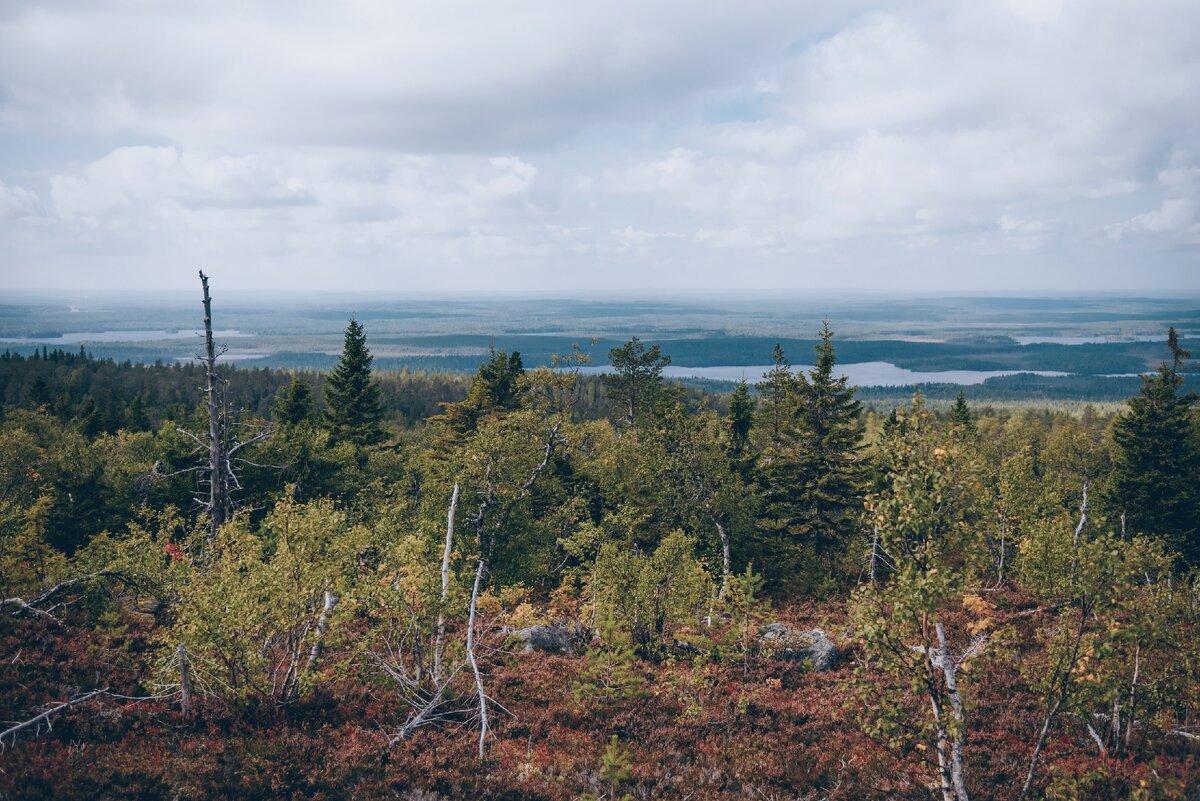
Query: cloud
x=17 y=203
x=922 y=144
x=433 y=77
x=1175 y=215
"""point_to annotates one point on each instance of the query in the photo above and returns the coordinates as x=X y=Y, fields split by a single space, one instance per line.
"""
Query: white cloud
x=1175 y=215
x=589 y=144
x=16 y=203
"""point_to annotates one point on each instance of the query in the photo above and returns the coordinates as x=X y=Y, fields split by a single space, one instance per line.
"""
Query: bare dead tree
x=220 y=506
x=219 y=444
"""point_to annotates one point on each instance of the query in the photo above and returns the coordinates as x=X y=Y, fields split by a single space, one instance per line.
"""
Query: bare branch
x=45 y=716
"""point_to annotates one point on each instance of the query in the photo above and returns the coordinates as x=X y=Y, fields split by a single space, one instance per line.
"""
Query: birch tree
x=921 y=518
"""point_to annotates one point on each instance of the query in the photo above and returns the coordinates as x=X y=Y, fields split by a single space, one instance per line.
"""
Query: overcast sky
x=1009 y=145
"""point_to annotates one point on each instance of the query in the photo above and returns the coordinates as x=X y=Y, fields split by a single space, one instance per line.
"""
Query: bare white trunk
x=942 y=750
x=1083 y=514
x=874 y=553
x=441 y=621
x=37 y=722
x=1133 y=685
x=330 y=601
x=724 y=554
x=957 y=747
x=483 y=711
x=1095 y=735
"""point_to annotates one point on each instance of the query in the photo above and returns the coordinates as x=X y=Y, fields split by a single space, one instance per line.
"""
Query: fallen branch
x=45 y=716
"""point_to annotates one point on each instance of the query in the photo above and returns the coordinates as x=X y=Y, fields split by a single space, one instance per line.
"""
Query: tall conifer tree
x=1156 y=475
x=355 y=405
x=810 y=477
x=741 y=418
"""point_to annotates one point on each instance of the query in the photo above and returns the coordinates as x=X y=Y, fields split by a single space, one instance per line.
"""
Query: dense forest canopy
x=537 y=583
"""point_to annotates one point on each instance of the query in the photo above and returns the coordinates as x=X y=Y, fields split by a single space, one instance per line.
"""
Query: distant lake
x=116 y=336
x=1042 y=340
x=227 y=357
x=863 y=374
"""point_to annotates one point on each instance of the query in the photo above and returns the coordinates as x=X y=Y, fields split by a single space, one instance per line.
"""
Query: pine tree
x=355 y=405
x=636 y=384
x=1156 y=475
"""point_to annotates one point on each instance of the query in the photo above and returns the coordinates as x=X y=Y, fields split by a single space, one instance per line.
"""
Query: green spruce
x=355 y=405
x=1156 y=471
x=811 y=480
x=294 y=404
x=960 y=414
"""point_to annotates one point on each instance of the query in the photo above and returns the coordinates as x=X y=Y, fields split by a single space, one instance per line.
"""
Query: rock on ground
x=551 y=639
x=784 y=642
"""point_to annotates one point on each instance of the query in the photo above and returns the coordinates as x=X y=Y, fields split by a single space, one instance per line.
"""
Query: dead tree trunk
x=219 y=507
x=185 y=681
x=479 y=523
x=218 y=443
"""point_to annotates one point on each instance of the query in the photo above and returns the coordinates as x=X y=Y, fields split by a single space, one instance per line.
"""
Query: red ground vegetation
x=696 y=731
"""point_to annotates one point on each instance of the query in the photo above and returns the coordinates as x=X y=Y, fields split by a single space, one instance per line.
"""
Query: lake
x=863 y=374
x=84 y=337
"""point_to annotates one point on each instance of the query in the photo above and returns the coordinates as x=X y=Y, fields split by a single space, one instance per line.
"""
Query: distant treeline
x=462 y=353
x=101 y=395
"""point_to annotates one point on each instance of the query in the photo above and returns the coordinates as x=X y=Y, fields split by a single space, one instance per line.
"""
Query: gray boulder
x=795 y=645
x=550 y=639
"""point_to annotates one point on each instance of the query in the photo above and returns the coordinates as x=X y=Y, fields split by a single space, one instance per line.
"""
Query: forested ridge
x=532 y=583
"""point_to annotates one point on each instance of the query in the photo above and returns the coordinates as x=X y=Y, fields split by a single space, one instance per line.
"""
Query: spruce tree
x=960 y=414
x=497 y=386
x=778 y=391
x=811 y=481
x=294 y=403
x=498 y=383
x=1156 y=470
x=355 y=405
x=741 y=418
x=830 y=433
